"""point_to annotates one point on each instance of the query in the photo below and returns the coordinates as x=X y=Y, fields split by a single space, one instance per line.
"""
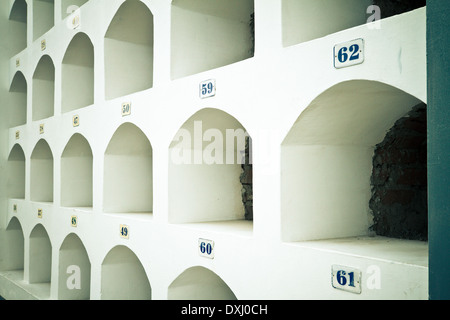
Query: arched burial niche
x=305 y=20
x=41 y=178
x=14 y=246
x=40 y=256
x=206 y=158
x=16 y=173
x=129 y=50
x=74 y=270
x=78 y=74
x=76 y=173
x=18 y=26
x=199 y=283
x=326 y=159
x=43 y=17
x=44 y=89
x=207 y=34
x=69 y=6
x=128 y=172
x=17 y=114
x=124 y=277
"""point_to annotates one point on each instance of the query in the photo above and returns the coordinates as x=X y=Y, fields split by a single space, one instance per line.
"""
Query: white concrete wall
x=267 y=95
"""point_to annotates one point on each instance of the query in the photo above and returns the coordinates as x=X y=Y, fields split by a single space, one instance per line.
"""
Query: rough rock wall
x=247 y=182
x=399 y=179
x=393 y=7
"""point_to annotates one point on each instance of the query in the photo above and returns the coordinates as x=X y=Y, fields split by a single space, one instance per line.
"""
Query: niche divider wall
x=115 y=177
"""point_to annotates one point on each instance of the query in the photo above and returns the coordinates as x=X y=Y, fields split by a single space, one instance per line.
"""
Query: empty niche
x=17 y=114
x=206 y=160
x=124 y=277
x=305 y=20
x=129 y=50
x=69 y=6
x=41 y=179
x=40 y=256
x=14 y=246
x=128 y=172
x=74 y=270
x=16 y=173
x=44 y=89
x=76 y=173
x=207 y=34
x=18 y=26
x=326 y=159
x=78 y=74
x=199 y=283
x=43 y=17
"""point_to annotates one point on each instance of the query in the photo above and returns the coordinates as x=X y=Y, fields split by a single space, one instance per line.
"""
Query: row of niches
x=128 y=60
x=205 y=34
x=43 y=17
x=223 y=189
x=333 y=180
x=216 y=20
x=123 y=276
x=227 y=30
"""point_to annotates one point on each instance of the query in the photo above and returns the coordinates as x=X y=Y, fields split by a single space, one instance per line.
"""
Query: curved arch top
x=124 y=276
x=212 y=118
x=355 y=112
x=199 y=283
x=128 y=139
